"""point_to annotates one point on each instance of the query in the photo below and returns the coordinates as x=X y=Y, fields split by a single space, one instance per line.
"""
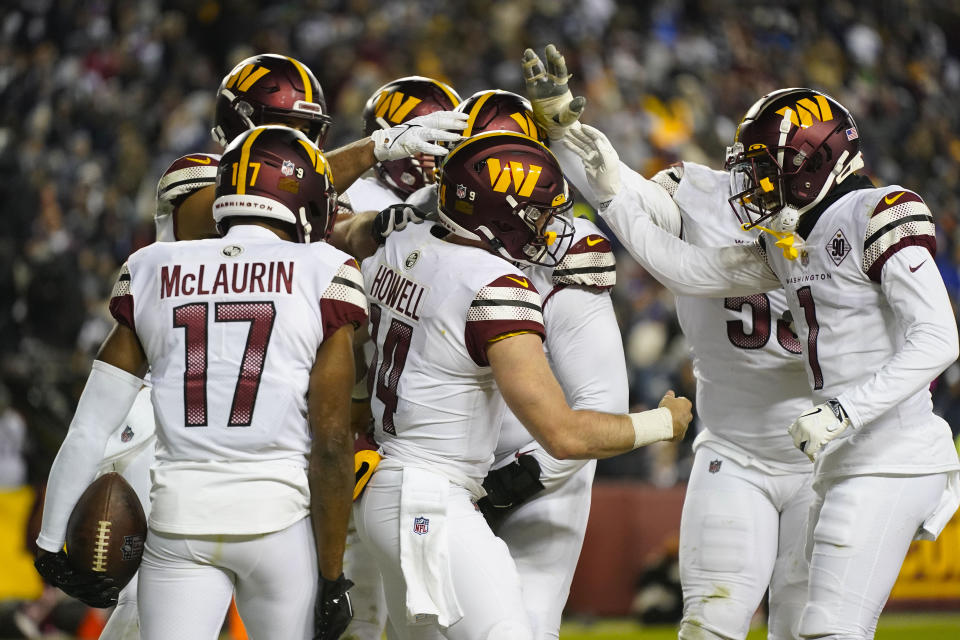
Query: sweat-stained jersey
x=434 y=307
x=588 y=264
x=231 y=328
x=835 y=295
x=184 y=176
x=751 y=381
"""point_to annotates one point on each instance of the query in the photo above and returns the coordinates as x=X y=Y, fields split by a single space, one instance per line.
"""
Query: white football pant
x=741 y=531
x=860 y=530
x=186 y=584
x=366 y=595
x=484 y=575
x=545 y=535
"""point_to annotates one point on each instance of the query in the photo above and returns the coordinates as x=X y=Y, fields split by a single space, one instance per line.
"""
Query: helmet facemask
x=792 y=148
x=552 y=231
x=756 y=182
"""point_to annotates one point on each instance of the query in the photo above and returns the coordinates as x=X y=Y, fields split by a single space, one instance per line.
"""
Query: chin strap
x=787 y=241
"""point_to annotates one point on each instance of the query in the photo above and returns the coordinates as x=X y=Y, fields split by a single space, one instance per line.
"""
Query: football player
x=390 y=182
x=872 y=316
x=393 y=104
x=248 y=339
x=275 y=89
x=457 y=330
x=742 y=527
x=537 y=504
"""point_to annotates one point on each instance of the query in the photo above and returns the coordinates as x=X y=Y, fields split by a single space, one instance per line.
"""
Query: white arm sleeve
x=586 y=356
x=656 y=202
x=685 y=269
x=104 y=403
x=920 y=302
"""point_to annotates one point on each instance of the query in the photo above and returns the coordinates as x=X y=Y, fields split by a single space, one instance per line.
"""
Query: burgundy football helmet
x=275 y=172
x=507 y=191
x=397 y=102
x=792 y=148
x=270 y=89
x=495 y=110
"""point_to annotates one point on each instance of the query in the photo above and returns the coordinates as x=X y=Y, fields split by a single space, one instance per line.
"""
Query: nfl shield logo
x=715 y=466
x=461 y=191
x=421 y=525
x=127 y=434
x=287 y=168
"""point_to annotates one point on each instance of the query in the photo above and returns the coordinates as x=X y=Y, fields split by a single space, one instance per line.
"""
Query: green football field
x=894 y=626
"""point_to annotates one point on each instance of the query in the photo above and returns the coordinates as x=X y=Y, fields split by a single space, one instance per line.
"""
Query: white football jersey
x=434 y=307
x=231 y=327
x=588 y=264
x=751 y=382
x=850 y=331
x=369 y=194
x=184 y=176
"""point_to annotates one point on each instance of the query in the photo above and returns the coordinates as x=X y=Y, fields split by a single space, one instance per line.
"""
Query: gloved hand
x=600 y=162
x=395 y=218
x=91 y=588
x=332 y=612
x=817 y=426
x=418 y=135
x=554 y=107
x=509 y=486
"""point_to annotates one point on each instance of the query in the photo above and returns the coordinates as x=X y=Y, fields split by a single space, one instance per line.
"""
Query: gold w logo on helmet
x=526 y=124
x=395 y=106
x=319 y=162
x=523 y=180
x=246 y=77
x=807 y=111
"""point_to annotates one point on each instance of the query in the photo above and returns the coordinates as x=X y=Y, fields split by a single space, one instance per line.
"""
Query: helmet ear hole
x=816 y=161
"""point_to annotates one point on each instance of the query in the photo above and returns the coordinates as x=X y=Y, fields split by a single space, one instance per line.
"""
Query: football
x=107 y=529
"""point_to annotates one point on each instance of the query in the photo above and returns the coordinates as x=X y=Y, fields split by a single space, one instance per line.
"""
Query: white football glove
x=554 y=107
x=818 y=426
x=418 y=135
x=600 y=161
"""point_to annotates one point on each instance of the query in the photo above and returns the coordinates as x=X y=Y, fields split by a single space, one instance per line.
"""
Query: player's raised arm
x=419 y=135
x=683 y=268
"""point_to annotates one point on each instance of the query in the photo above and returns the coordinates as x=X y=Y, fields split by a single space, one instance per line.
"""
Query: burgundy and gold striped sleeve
x=344 y=300
x=507 y=306
x=900 y=219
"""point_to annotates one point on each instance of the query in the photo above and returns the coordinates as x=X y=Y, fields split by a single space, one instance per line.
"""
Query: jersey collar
x=809 y=219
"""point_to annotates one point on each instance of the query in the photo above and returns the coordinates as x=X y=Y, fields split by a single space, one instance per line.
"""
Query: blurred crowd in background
x=97 y=97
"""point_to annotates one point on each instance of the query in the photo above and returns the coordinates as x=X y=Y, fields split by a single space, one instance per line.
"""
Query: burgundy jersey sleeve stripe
x=509 y=304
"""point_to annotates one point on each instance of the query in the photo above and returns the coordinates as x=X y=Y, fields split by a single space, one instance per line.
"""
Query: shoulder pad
x=187 y=174
x=669 y=179
x=900 y=218
x=588 y=263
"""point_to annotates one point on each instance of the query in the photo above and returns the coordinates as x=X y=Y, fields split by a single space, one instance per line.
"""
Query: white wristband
x=651 y=426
